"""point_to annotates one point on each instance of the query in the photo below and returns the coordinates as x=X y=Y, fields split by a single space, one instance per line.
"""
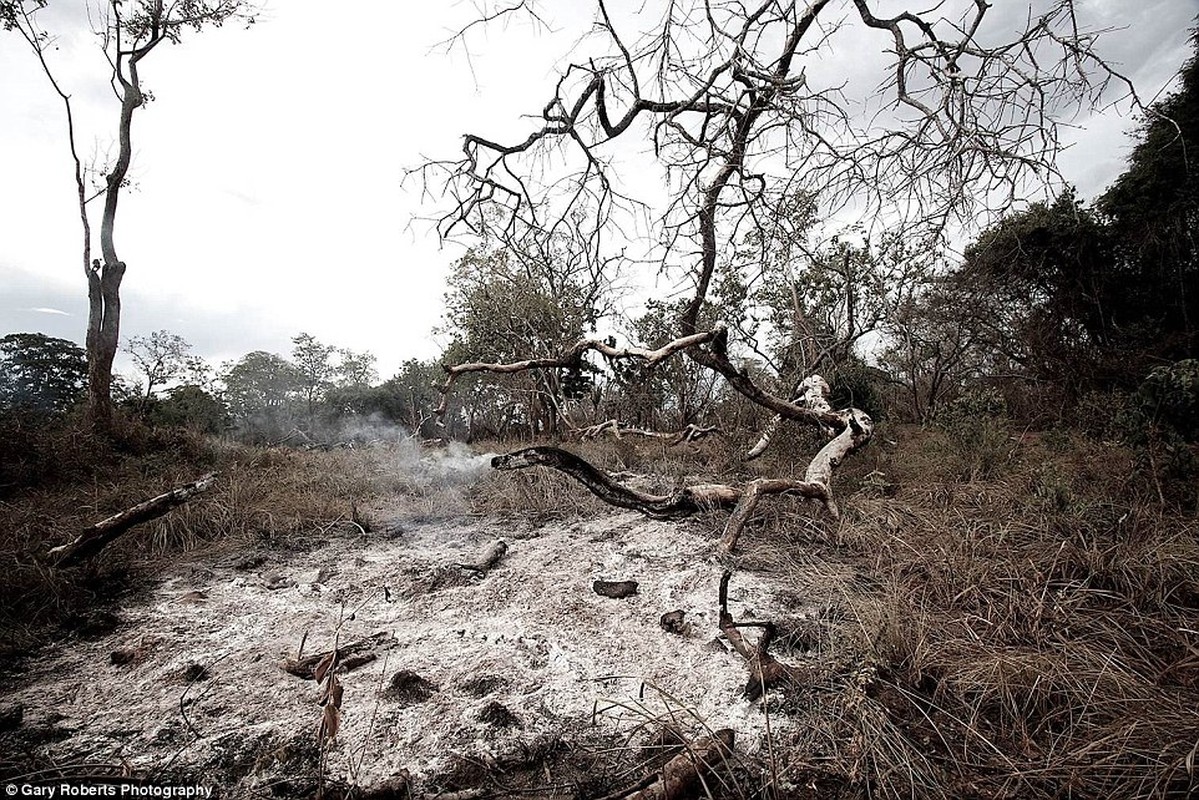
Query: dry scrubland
x=1016 y=616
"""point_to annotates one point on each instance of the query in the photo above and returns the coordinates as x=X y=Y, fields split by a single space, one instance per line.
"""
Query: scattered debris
x=672 y=622
x=483 y=685
x=314 y=576
x=193 y=672
x=126 y=655
x=351 y=655
x=329 y=697
x=398 y=787
x=490 y=557
x=407 y=688
x=686 y=772
x=276 y=581
x=497 y=715
x=617 y=590
x=667 y=739
x=249 y=562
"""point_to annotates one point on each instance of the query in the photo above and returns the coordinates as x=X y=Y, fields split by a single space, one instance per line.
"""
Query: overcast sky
x=267 y=197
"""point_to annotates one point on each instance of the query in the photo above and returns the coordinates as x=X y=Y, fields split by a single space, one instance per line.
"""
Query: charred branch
x=701 y=497
x=684 y=775
x=343 y=658
x=683 y=503
x=716 y=358
x=94 y=538
x=765 y=671
x=617 y=590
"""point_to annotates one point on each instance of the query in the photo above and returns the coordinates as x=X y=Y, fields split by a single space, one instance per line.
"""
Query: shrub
x=860 y=386
x=976 y=426
x=1169 y=398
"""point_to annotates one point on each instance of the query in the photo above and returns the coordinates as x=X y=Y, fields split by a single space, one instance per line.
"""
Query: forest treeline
x=1061 y=311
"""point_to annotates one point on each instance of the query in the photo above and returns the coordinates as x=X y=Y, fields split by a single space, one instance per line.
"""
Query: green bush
x=1111 y=415
x=859 y=386
x=976 y=426
x=1169 y=398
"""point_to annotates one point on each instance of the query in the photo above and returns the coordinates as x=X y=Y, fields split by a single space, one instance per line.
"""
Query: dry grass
x=262 y=497
x=1033 y=635
x=535 y=494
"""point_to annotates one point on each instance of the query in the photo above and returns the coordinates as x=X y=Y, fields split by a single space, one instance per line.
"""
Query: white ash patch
x=530 y=635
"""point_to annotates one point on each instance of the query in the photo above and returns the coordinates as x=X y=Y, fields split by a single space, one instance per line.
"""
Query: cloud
x=35 y=304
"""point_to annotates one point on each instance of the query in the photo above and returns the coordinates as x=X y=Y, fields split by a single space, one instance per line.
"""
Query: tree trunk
x=103 y=334
x=104 y=280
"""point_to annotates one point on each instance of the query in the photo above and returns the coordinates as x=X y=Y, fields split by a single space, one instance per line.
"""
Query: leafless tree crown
x=741 y=114
x=743 y=117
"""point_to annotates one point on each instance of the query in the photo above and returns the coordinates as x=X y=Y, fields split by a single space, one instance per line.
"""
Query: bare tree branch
x=741 y=120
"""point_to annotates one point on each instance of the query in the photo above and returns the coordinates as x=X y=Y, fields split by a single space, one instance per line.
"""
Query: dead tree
x=741 y=119
x=856 y=429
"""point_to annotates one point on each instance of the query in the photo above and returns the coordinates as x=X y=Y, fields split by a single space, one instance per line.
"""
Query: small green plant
x=860 y=386
x=1052 y=488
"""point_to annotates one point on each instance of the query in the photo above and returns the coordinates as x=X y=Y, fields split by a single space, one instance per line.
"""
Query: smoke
x=453 y=466
x=403 y=453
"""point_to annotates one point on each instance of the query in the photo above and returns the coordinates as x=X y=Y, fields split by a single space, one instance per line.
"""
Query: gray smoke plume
x=455 y=465
x=419 y=464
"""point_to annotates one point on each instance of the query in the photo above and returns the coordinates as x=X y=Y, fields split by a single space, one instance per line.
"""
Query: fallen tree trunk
x=94 y=538
x=702 y=497
x=685 y=502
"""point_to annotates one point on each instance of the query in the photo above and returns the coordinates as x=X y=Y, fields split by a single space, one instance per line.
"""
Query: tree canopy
x=41 y=373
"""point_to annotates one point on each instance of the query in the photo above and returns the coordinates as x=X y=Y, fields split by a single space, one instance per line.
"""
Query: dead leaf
x=324 y=666
x=330 y=723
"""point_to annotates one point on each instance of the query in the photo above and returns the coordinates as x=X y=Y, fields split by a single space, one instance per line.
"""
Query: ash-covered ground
x=473 y=671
